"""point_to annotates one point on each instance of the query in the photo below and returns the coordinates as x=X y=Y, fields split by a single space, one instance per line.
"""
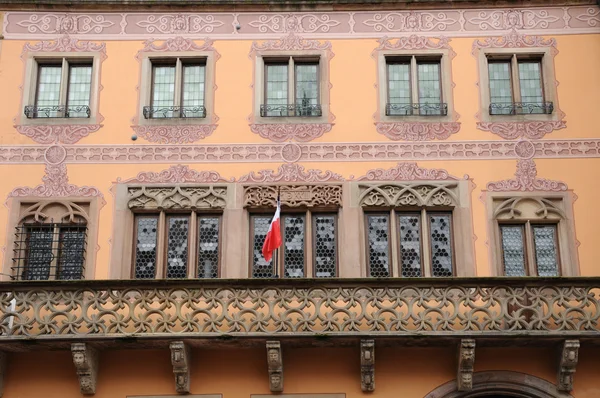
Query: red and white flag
x=273 y=238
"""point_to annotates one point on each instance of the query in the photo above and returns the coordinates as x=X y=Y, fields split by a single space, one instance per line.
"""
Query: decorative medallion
x=291 y=152
x=55 y=154
x=525 y=149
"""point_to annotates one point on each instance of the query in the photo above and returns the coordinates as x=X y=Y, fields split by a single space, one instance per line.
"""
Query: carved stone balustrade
x=331 y=311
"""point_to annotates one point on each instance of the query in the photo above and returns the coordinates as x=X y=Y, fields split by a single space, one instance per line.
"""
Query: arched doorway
x=501 y=384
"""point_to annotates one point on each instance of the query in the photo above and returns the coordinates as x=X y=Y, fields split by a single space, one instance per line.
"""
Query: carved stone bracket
x=417 y=194
x=175 y=134
x=85 y=359
x=181 y=356
x=178 y=197
x=466 y=363
x=3 y=365
x=568 y=363
x=367 y=365
x=275 y=366
x=293 y=195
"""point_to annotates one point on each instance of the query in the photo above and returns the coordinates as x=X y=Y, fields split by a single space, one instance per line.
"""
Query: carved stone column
x=275 y=366
x=367 y=365
x=466 y=363
x=85 y=359
x=181 y=359
x=568 y=364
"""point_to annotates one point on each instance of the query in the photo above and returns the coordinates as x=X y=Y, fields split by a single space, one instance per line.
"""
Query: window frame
x=34 y=60
x=162 y=240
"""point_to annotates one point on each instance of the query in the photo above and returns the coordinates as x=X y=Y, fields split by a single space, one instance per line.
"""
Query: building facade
x=436 y=164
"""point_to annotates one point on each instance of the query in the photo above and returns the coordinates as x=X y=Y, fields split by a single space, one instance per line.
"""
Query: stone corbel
x=275 y=366
x=181 y=360
x=466 y=363
x=85 y=359
x=567 y=366
x=367 y=365
x=2 y=371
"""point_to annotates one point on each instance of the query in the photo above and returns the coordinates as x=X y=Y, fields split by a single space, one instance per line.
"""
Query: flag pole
x=276 y=257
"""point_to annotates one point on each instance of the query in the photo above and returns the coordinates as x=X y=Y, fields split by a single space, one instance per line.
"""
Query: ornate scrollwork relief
x=68 y=132
x=176 y=174
x=531 y=129
x=569 y=357
x=405 y=171
x=85 y=359
x=367 y=365
x=175 y=134
x=293 y=195
x=415 y=130
x=291 y=173
x=466 y=364
x=418 y=194
x=178 y=197
x=181 y=355
x=526 y=179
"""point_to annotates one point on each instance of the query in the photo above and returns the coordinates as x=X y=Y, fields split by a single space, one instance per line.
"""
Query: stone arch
x=512 y=384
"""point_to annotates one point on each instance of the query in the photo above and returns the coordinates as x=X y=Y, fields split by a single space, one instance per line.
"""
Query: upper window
x=291 y=87
x=63 y=89
x=178 y=89
x=191 y=246
x=530 y=249
x=414 y=87
x=309 y=246
x=516 y=85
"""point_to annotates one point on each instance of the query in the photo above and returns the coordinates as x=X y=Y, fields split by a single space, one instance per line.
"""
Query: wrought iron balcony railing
x=396 y=109
x=290 y=110
x=59 y=111
x=174 y=112
x=522 y=108
x=456 y=307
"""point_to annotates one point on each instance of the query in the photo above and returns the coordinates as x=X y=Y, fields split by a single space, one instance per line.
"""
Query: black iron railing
x=521 y=108
x=173 y=112
x=59 y=111
x=288 y=110
x=396 y=109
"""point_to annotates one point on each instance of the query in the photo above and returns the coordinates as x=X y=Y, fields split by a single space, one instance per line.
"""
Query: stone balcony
x=52 y=314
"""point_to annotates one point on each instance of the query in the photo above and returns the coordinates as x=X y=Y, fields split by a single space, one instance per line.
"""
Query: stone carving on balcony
x=367 y=365
x=293 y=195
x=85 y=359
x=181 y=360
x=275 y=366
x=568 y=364
x=177 y=197
x=466 y=363
x=415 y=194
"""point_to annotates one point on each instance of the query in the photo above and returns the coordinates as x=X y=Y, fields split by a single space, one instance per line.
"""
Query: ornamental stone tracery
x=418 y=194
x=293 y=195
x=178 y=197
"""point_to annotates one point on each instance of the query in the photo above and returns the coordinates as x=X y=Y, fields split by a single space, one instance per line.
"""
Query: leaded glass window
x=424 y=242
x=529 y=249
x=301 y=254
x=276 y=91
x=191 y=250
x=414 y=86
x=178 y=88
x=501 y=86
x=49 y=251
x=63 y=90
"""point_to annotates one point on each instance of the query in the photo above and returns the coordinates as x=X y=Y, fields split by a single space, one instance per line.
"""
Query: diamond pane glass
x=430 y=90
x=48 y=89
x=208 y=247
x=530 y=80
x=71 y=252
x=163 y=89
x=193 y=90
x=261 y=268
x=379 y=245
x=39 y=254
x=177 y=247
x=145 y=248
x=325 y=246
x=399 y=88
x=500 y=86
x=277 y=89
x=293 y=246
x=410 y=244
x=80 y=86
x=307 y=88
x=441 y=244
x=546 y=257
x=513 y=250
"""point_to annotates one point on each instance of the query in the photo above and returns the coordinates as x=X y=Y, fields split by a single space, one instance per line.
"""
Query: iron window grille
x=46 y=251
x=398 y=109
x=424 y=243
x=192 y=248
x=171 y=112
x=60 y=111
x=307 y=238
x=521 y=108
x=290 y=110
